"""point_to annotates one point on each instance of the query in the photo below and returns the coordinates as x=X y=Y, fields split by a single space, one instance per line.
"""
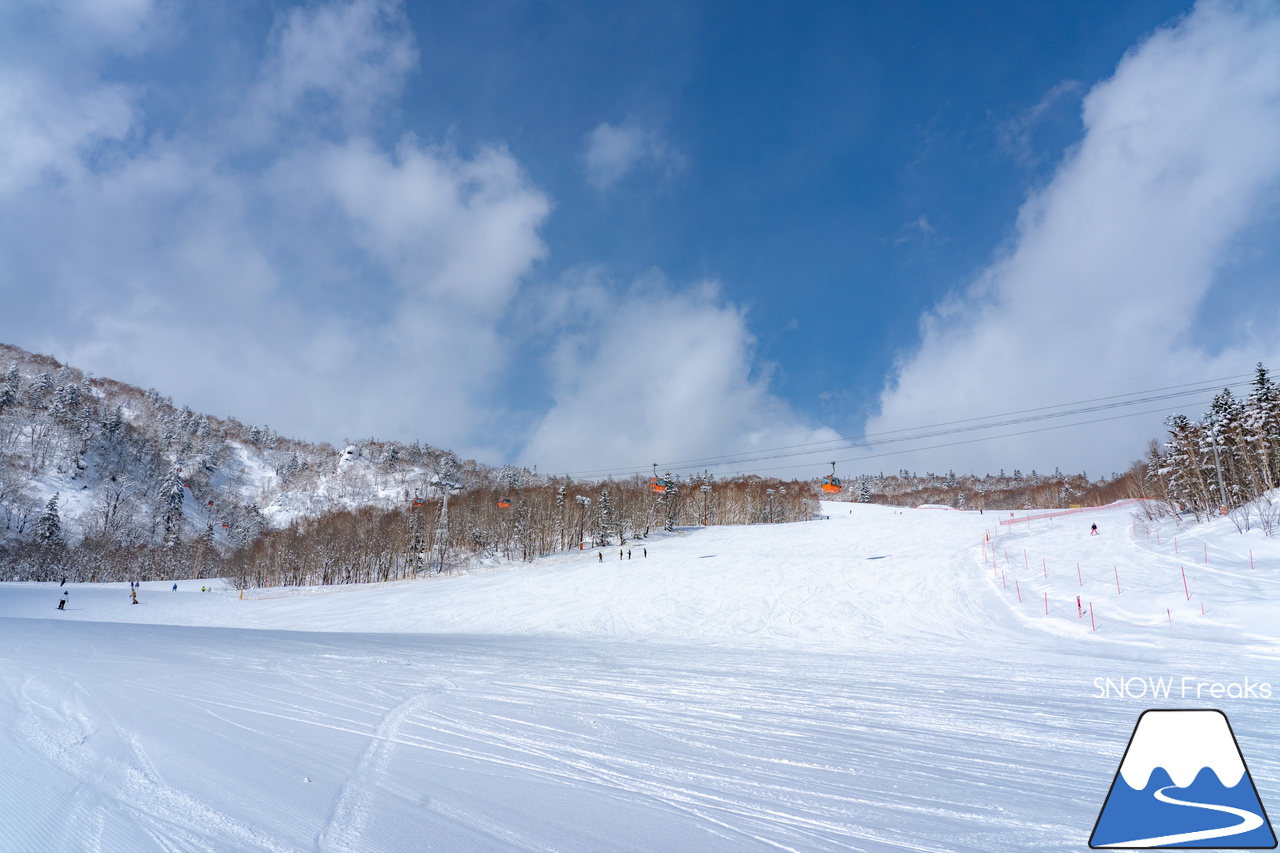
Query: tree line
x=1225 y=463
x=482 y=522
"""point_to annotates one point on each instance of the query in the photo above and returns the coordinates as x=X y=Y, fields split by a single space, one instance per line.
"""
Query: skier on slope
x=1093 y=531
x=62 y=602
x=133 y=595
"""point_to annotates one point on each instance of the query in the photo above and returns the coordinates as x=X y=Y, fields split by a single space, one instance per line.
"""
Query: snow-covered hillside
x=132 y=467
x=866 y=682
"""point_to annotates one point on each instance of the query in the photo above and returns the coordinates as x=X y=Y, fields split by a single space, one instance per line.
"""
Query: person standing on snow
x=133 y=595
x=62 y=602
x=1093 y=531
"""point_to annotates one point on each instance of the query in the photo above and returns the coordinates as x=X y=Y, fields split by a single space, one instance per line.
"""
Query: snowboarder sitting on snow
x=1093 y=531
x=62 y=602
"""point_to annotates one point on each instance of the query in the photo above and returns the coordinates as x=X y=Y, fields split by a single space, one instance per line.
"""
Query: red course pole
x=1045 y=564
x=1091 y=620
x=1170 y=613
x=1184 y=583
x=1078 y=577
x=1019 y=590
x=1250 y=559
x=1026 y=561
x=1117 y=568
x=1002 y=580
x=1046 y=604
x=1206 y=553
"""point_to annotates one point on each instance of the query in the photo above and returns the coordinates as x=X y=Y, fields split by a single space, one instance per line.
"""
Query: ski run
x=875 y=680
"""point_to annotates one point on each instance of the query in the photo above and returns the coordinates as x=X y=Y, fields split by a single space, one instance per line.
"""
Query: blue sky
x=590 y=236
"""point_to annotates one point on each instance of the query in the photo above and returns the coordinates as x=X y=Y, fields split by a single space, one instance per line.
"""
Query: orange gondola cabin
x=831 y=483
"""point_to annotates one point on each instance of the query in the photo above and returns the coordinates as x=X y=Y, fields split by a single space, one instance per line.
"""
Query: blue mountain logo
x=1183 y=783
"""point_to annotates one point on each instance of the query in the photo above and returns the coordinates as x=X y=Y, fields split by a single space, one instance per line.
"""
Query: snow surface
x=878 y=680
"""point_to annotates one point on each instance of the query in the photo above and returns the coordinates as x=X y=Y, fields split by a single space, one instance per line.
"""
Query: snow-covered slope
x=867 y=682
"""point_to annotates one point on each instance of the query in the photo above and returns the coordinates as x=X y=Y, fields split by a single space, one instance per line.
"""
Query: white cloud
x=654 y=374
x=45 y=131
x=336 y=62
x=282 y=265
x=1114 y=258
x=614 y=151
x=447 y=228
x=1015 y=135
x=324 y=284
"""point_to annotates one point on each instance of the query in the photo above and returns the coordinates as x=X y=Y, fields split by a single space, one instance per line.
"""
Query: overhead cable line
x=945 y=428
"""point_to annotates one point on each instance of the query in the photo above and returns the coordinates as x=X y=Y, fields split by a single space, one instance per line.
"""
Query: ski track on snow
x=864 y=683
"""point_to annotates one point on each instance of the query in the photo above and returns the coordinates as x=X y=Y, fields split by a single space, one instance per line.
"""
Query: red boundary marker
x=1030 y=518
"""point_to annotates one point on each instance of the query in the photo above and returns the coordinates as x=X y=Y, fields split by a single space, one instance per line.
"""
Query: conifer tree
x=49 y=525
x=172 y=509
x=605 y=521
x=671 y=498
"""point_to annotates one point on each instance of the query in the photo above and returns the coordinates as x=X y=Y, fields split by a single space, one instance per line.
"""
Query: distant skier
x=62 y=602
x=133 y=595
x=600 y=555
x=1093 y=530
x=175 y=587
x=628 y=553
x=646 y=552
x=619 y=553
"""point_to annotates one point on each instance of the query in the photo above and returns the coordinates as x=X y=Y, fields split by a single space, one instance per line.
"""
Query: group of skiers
x=134 y=586
x=600 y=554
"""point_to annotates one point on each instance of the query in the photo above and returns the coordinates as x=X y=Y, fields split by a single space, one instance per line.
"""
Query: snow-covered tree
x=671 y=501
x=49 y=525
x=605 y=521
x=171 y=508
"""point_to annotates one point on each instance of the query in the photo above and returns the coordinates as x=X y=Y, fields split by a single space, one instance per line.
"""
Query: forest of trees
x=1228 y=462
x=150 y=490
x=153 y=490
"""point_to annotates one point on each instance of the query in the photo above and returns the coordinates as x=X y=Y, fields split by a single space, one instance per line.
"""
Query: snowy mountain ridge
x=114 y=454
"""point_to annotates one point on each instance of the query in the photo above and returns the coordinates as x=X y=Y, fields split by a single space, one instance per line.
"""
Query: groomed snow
x=879 y=680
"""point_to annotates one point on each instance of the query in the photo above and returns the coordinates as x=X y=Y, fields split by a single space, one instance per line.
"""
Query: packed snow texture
x=877 y=680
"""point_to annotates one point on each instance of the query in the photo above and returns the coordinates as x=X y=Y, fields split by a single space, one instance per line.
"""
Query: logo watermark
x=1179 y=687
x=1183 y=782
